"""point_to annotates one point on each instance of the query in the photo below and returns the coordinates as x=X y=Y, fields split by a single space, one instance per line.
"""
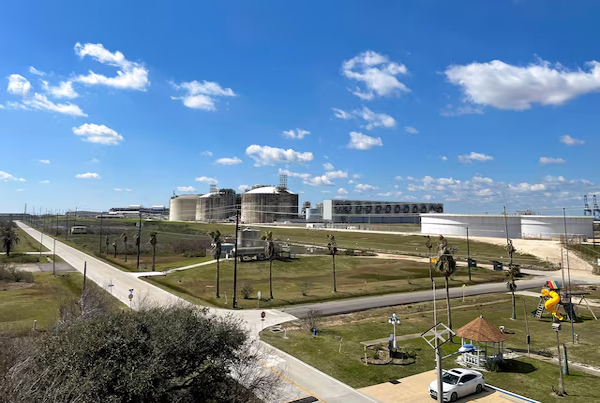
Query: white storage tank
x=479 y=225
x=553 y=227
x=183 y=208
x=267 y=204
x=217 y=205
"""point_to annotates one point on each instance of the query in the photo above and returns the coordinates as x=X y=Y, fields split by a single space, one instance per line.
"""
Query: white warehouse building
x=521 y=226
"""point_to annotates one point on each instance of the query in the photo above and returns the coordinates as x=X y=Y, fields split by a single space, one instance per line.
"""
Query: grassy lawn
x=40 y=300
x=322 y=351
x=26 y=243
x=309 y=279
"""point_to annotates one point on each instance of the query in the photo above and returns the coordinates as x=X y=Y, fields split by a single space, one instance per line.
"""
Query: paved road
x=301 y=379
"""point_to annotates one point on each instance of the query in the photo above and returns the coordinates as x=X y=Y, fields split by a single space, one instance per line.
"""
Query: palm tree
x=332 y=246
x=9 y=237
x=124 y=239
x=446 y=265
x=270 y=254
x=216 y=254
x=512 y=273
x=114 y=245
x=107 y=242
x=153 y=242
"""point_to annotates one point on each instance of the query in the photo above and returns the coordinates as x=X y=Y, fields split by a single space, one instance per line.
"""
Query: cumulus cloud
x=88 y=175
x=35 y=71
x=361 y=141
x=570 y=141
x=318 y=180
x=186 y=189
x=298 y=134
x=45 y=161
x=377 y=75
x=121 y=190
x=45 y=182
x=451 y=110
x=362 y=187
x=390 y=194
x=130 y=75
x=5 y=177
x=202 y=95
x=375 y=119
x=18 y=85
x=229 y=161
x=342 y=191
x=340 y=114
x=205 y=179
x=336 y=174
x=62 y=90
x=243 y=188
x=411 y=130
x=41 y=102
x=206 y=153
x=328 y=167
x=443 y=158
x=99 y=134
x=505 y=86
x=551 y=160
x=322 y=180
x=473 y=156
x=265 y=155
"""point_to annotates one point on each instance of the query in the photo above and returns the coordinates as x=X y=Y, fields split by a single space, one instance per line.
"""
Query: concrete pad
x=413 y=389
x=44 y=267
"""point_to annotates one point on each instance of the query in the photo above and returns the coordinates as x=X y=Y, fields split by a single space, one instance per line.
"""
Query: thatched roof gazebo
x=485 y=335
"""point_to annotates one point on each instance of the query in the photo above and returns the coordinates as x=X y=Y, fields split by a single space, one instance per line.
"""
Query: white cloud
x=243 y=188
x=377 y=73
x=99 y=134
x=411 y=130
x=336 y=174
x=202 y=95
x=5 y=177
x=390 y=194
x=570 y=141
x=467 y=158
x=94 y=161
x=375 y=119
x=361 y=187
x=122 y=190
x=551 y=160
x=298 y=134
x=208 y=180
x=356 y=176
x=399 y=178
x=131 y=75
x=506 y=86
x=88 y=175
x=361 y=141
x=350 y=182
x=340 y=114
x=229 y=161
x=40 y=102
x=527 y=187
x=206 y=153
x=18 y=85
x=35 y=71
x=328 y=166
x=443 y=158
x=45 y=182
x=342 y=191
x=467 y=109
x=45 y=161
x=322 y=180
x=265 y=155
x=63 y=90
x=186 y=189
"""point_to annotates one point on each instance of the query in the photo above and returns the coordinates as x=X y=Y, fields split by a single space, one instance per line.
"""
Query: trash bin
x=497 y=265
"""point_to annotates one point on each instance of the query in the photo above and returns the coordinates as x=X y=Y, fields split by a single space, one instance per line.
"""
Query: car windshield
x=450 y=378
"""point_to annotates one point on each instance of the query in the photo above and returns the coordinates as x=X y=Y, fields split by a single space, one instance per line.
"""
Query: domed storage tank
x=217 y=205
x=183 y=208
x=268 y=204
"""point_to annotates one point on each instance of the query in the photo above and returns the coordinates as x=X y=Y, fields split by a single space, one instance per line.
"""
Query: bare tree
x=512 y=273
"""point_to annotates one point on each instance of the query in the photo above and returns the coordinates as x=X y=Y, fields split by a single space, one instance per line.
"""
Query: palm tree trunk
x=218 y=268
x=334 y=283
x=514 y=311
x=115 y=255
x=271 y=278
x=125 y=244
x=448 y=304
x=153 y=257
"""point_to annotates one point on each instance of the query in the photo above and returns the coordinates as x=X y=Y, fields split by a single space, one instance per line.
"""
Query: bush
x=20 y=258
x=247 y=290
x=10 y=274
x=312 y=320
x=349 y=252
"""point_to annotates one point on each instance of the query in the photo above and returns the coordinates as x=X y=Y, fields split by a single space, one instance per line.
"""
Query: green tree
x=153 y=242
x=270 y=254
x=332 y=246
x=174 y=354
x=512 y=273
x=216 y=254
x=124 y=239
x=9 y=237
x=447 y=266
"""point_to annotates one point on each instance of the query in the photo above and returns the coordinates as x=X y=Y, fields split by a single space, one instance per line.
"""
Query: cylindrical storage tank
x=314 y=214
x=183 y=208
x=553 y=227
x=268 y=204
x=248 y=237
x=478 y=225
x=217 y=205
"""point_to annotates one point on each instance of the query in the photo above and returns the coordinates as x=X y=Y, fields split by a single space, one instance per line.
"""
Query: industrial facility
x=376 y=212
x=519 y=226
x=267 y=204
x=219 y=204
x=183 y=208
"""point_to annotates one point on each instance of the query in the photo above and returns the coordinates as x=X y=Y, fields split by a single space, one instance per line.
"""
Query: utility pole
x=571 y=308
x=139 y=239
x=468 y=254
x=84 y=274
x=57 y=223
x=235 y=256
x=506 y=226
x=561 y=385
x=101 y=235
x=54 y=258
x=67 y=225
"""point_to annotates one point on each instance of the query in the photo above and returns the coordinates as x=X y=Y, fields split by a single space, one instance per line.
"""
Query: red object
x=263 y=314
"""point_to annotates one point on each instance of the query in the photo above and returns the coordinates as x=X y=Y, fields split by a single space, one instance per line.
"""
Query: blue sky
x=475 y=105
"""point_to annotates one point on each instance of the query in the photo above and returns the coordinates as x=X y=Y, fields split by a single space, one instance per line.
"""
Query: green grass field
x=40 y=301
x=26 y=243
x=351 y=329
x=356 y=276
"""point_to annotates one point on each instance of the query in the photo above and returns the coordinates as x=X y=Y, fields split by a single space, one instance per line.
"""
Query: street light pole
x=571 y=308
x=468 y=254
x=235 y=257
x=101 y=230
x=561 y=386
x=139 y=239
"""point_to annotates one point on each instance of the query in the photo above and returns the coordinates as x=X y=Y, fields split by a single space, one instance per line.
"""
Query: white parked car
x=458 y=382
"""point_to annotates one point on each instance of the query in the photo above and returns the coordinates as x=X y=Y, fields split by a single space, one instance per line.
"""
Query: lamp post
x=561 y=387
x=468 y=254
x=139 y=239
x=235 y=257
x=394 y=320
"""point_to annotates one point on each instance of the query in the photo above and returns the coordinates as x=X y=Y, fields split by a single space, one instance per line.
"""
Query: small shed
x=482 y=337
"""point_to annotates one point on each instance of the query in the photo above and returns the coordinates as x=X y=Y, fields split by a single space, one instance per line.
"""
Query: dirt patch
x=15 y=286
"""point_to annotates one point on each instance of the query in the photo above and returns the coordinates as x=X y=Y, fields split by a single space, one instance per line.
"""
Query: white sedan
x=458 y=382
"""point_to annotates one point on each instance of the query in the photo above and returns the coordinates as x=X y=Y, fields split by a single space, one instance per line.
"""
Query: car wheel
x=454 y=397
x=479 y=388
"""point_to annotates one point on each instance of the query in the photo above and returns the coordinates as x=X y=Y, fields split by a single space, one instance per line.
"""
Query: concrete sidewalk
x=165 y=272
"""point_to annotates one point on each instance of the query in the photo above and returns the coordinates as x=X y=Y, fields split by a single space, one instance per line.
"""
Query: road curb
x=506 y=392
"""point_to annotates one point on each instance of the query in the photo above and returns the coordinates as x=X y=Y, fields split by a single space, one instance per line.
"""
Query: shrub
x=247 y=290
x=10 y=274
x=312 y=320
x=349 y=252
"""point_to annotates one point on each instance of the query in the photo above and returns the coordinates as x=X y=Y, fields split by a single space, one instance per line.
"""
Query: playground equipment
x=551 y=303
x=551 y=299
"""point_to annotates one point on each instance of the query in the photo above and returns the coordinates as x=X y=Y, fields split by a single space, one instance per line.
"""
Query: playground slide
x=552 y=303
